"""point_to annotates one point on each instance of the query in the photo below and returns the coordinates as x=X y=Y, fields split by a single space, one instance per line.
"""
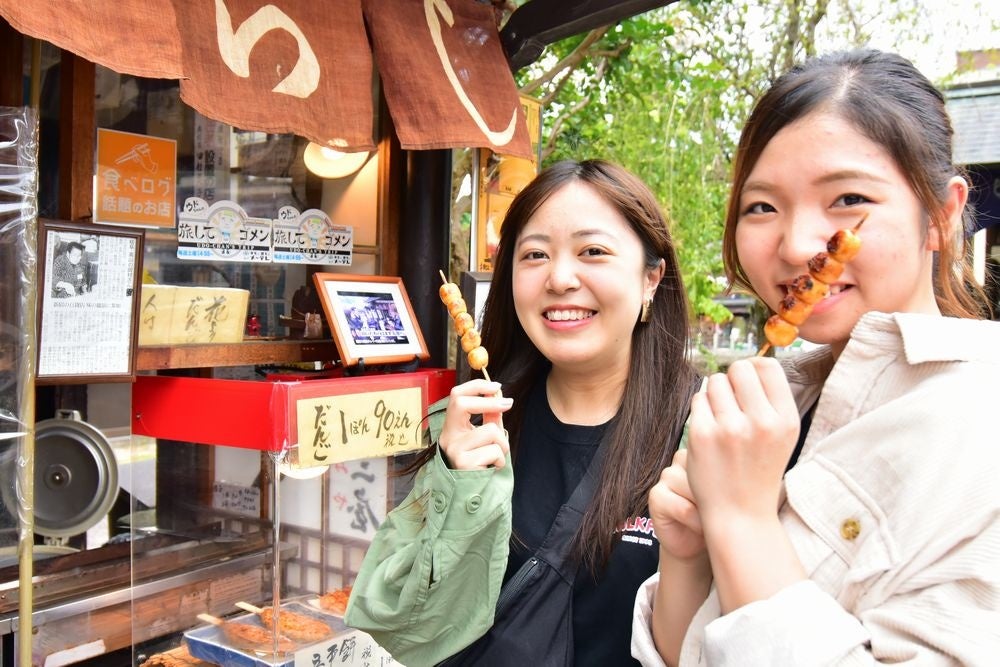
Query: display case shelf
x=247 y=353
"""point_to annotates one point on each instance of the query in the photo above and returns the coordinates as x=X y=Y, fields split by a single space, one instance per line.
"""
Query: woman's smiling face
x=579 y=281
x=816 y=176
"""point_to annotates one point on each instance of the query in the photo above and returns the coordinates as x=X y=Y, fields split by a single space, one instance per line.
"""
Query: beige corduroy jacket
x=893 y=509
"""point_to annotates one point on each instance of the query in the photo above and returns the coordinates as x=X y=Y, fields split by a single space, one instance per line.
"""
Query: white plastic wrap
x=18 y=232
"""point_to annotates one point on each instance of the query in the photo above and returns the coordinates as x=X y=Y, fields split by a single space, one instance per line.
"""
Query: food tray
x=209 y=644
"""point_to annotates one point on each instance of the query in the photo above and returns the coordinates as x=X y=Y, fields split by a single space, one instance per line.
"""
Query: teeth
x=563 y=315
x=834 y=289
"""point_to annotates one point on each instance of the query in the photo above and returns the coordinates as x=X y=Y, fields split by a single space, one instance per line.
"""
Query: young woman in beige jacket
x=842 y=508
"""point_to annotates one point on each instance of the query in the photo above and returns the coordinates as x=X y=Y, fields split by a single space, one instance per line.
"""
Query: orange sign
x=136 y=179
x=501 y=178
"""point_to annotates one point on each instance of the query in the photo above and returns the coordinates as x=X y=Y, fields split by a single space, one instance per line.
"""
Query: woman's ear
x=653 y=278
x=951 y=218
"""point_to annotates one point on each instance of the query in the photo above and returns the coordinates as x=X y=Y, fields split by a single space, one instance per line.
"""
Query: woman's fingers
x=470 y=446
x=752 y=398
x=486 y=435
x=672 y=499
x=676 y=519
x=480 y=458
x=775 y=385
x=721 y=399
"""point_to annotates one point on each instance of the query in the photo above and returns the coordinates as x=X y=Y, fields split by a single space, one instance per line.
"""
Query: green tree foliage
x=665 y=93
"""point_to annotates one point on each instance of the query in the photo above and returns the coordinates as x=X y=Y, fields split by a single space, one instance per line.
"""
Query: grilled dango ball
x=779 y=332
x=449 y=292
x=478 y=358
x=471 y=340
x=844 y=245
x=456 y=307
x=804 y=288
x=794 y=311
x=464 y=323
x=824 y=268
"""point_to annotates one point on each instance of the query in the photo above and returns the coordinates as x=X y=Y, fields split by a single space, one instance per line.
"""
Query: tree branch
x=570 y=62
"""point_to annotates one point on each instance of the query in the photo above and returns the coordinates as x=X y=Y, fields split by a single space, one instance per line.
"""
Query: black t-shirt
x=552 y=458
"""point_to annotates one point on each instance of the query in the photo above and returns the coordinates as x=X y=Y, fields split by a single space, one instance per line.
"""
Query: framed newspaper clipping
x=88 y=300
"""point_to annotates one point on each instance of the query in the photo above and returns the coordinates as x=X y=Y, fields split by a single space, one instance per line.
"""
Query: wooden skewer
x=208 y=618
x=246 y=606
x=763 y=349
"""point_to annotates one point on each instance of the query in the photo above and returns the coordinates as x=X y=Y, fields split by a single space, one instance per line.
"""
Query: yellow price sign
x=339 y=428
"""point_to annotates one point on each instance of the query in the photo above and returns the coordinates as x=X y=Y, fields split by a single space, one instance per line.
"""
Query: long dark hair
x=660 y=381
x=889 y=101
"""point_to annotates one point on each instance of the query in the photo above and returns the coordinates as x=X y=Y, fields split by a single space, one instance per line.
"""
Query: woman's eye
x=851 y=200
x=595 y=252
x=533 y=254
x=758 y=208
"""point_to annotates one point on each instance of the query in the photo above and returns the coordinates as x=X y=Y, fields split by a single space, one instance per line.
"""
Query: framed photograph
x=475 y=286
x=371 y=318
x=88 y=302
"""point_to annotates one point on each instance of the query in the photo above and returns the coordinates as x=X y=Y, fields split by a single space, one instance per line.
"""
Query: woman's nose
x=562 y=276
x=800 y=241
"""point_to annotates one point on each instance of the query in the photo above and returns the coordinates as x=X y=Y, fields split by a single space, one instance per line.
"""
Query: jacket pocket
x=839 y=531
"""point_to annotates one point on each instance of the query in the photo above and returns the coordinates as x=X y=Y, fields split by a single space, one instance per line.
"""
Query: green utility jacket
x=429 y=583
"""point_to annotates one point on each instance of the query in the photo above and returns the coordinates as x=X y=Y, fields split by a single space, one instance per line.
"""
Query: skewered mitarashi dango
x=295 y=626
x=476 y=354
x=245 y=636
x=336 y=601
x=810 y=288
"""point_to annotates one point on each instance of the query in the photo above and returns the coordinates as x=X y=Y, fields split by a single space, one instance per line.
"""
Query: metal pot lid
x=76 y=477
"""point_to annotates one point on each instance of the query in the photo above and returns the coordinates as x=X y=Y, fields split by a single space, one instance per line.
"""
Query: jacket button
x=439 y=502
x=850 y=529
x=474 y=503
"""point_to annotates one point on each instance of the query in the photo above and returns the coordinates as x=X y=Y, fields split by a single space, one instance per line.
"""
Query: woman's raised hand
x=742 y=431
x=675 y=514
x=465 y=445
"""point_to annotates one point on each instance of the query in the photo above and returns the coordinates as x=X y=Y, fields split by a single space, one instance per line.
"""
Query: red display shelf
x=254 y=414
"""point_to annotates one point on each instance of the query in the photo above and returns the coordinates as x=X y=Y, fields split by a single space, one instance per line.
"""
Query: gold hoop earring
x=647 y=311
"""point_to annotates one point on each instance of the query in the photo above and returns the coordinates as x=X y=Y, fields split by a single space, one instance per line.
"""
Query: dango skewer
x=808 y=289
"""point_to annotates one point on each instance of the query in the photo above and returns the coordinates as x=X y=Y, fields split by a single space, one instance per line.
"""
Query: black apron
x=533 y=625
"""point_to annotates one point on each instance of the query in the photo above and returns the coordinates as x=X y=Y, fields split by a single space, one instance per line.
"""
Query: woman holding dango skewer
x=586 y=327
x=841 y=508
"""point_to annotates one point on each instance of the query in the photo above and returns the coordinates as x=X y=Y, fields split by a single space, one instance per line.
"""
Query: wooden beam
x=12 y=69
x=76 y=138
x=391 y=186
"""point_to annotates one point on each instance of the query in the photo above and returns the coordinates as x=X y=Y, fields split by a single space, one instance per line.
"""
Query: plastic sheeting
x=18 y=232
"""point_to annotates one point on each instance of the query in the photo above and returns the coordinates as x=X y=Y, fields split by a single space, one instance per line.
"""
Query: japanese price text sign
x=136 y=179
x=357 y=426
x=354 y=649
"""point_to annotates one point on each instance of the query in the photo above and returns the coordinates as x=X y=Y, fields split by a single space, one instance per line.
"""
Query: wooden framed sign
x=371 y=318
x=88 y=302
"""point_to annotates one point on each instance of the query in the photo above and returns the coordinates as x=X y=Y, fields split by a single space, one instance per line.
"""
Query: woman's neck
x=584 y=401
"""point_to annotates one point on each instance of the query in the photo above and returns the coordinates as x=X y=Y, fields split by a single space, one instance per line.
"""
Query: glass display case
x=165 y=516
